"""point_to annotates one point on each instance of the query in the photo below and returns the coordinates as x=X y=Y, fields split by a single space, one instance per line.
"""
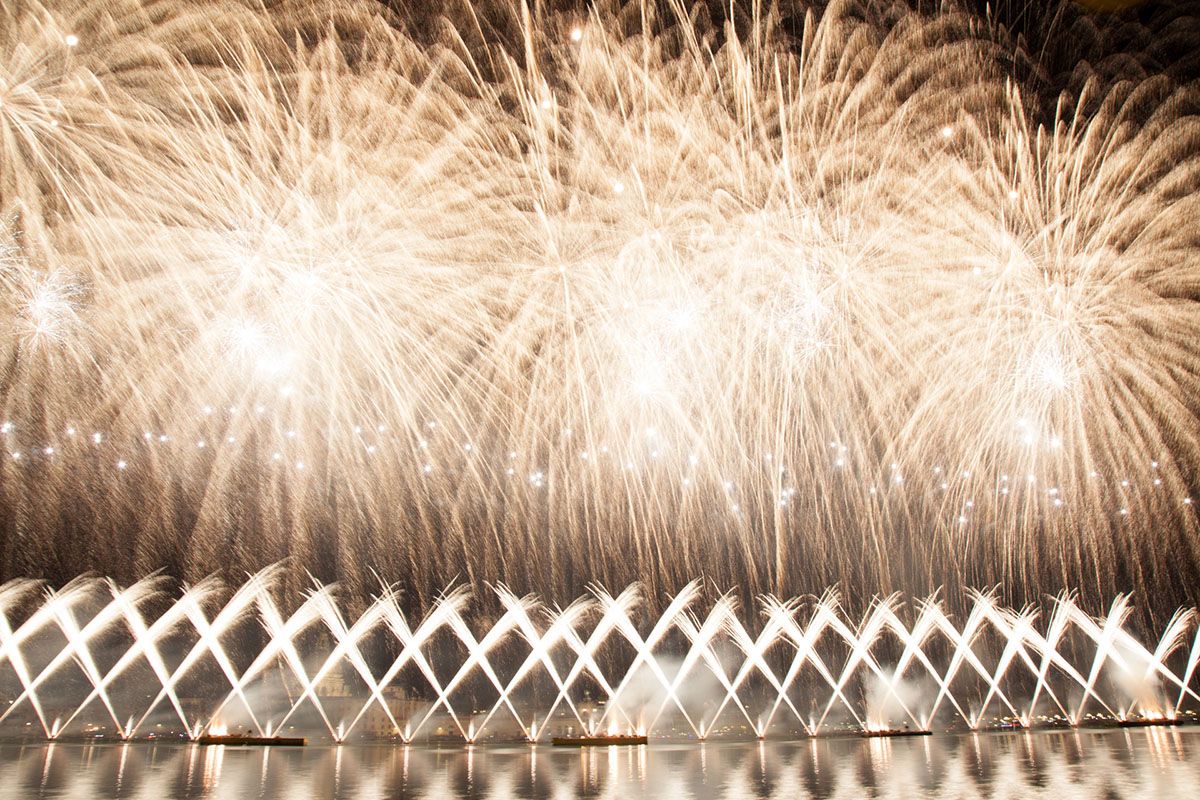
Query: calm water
x=1059 y=765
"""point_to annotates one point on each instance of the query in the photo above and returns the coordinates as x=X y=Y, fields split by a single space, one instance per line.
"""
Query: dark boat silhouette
x=597 y=741
x=1147 y=722
x=234 y=740
x=887 y=732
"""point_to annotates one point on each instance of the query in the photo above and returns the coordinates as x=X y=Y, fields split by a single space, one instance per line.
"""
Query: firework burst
x=798 y=297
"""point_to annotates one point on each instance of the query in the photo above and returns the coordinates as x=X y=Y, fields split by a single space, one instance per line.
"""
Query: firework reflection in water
x=1054 y=765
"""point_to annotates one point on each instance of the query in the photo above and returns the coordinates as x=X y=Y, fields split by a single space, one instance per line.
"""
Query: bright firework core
x=785 y=298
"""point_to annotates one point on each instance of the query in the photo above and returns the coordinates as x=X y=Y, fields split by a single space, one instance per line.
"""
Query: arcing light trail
x=632 y=295
x=811 y=666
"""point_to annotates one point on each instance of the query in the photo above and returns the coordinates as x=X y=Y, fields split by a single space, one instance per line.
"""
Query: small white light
x=947 y=132
x=618 y=187
x=576 y=34
x=121 y=465
x=71 y=40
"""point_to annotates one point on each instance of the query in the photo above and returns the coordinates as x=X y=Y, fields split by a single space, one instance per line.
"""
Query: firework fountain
x=785 y=298
x=807 y=668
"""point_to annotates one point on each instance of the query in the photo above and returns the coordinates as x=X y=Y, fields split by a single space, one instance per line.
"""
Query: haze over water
x=1062 y=764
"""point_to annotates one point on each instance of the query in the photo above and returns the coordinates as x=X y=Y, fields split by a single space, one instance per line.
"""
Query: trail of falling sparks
x=797 y=297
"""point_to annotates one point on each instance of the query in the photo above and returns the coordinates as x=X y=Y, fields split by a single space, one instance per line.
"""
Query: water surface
x=1062 y=765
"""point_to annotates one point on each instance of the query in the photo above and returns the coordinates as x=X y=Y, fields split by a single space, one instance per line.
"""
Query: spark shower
x=780 y=295
x=87 y=658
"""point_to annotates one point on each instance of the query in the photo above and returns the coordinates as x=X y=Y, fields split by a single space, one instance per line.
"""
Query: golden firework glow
x=636 y=295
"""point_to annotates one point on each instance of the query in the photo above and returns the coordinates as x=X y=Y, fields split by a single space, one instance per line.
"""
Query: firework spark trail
x=147 y=641
x=10 y=595
x=209 y=633
x=804 y=296
x=1123 y=674
x=701 y=639
x=755 y=649
x=540 y=645
x=412 y=639
x=62 y=606
x=804 y=640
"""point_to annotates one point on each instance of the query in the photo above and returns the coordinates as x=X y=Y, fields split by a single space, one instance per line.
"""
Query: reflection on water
x=1062 y=765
